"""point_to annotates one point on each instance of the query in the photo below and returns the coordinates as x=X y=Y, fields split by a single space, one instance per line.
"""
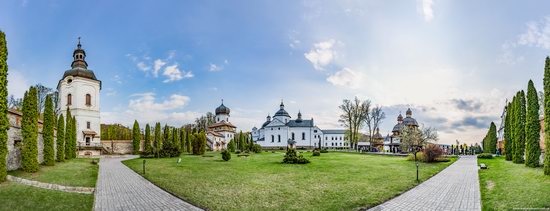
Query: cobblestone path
x=120 y=188
x=454 y=188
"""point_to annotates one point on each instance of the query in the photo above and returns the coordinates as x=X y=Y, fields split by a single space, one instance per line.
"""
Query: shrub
x=257 y=148
x=60 y=141
x=281 y=148
x=442 y=159
x=316 y=153
x=48 y=132
x=419 y=156
x=291 y=157
x=226 y=155
x=29 y=131
x=324 y=151
x=431 y=152
x=485 y=156
x=237 y=151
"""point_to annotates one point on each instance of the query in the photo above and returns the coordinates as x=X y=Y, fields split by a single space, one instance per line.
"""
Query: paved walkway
x=454 y=188
x=120 y=188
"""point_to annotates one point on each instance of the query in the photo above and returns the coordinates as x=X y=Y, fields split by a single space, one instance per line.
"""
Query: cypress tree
x=202 y=143
x=189 y=141
x=183 y=140
x=68 y=137
x=547 y=117
x=147 y=147
x=47 y=132
x=231 y=145
x=60 y=142
x=507 y=134
x=176 y=141
x=532 y=127
x=136 y=137
x=158 y=139
x=4 y=121
x=29 y=130
x=519 y=143
x=491 y=139
x=73 y=137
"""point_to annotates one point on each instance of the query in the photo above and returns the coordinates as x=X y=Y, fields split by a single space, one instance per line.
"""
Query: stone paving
x=454 y=188
x=70 y=189
x=120 y=188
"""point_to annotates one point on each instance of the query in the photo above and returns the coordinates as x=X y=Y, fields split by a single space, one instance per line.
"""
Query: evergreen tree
x=176 y=141
x=68 y=136
x=547 y=116
x=147 y=147
x=4 y=121
x=490 y=140
x=29 y=130
x=73 y=137
x=507 y=136
x=189 y=142
x=532 y=127
x=60 y=142
x=231 y=145
x=136 y=137
x=158 y=140
x=202 y=143
x=48 y=130
x=519 y=143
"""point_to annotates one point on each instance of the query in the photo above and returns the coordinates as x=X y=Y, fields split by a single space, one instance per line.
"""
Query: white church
x=222 y=131
x=282 y=131
x=79 y=92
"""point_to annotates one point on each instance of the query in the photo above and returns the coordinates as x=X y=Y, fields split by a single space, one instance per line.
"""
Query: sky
x=454 y=63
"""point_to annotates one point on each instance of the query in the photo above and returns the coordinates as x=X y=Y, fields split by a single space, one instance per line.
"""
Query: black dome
x=222 y=110
x=282 y=112
x=80 y=72
x=409 y=121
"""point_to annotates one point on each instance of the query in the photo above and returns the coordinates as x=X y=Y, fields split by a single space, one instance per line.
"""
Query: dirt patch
x=490 y=185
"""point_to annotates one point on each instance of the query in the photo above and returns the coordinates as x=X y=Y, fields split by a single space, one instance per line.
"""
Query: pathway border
x=49 y=186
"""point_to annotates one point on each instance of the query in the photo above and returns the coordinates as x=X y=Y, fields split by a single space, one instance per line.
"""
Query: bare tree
x=414 y=138
x=42 y=92
x=204 y=121
x=15 y=103
x=373 y=120
x=353 y=117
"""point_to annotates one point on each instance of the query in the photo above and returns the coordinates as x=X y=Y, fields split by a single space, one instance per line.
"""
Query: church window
x=278 y=138
x=340 y=143
x=326 y=144
x=88 y=99
x=315 y=131
x=88 y=125
x=303 y=136
x=69 y=99
x=326 y=138
x=332 y=144
x=272 y=138
x=292 y=136
x=278 y=128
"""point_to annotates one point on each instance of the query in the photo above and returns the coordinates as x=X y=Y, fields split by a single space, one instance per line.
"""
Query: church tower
x=79 y=92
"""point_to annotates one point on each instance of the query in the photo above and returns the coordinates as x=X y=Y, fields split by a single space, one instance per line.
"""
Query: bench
x=483 y=166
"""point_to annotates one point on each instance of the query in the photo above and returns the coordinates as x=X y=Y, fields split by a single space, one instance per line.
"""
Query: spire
x=79 y=45
x=268 y=117
x=399 y=118
x=409 y=112
x=299 y=116
x=282 y=106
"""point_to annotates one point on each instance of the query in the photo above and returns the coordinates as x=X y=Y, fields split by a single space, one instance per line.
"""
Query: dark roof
x=80 y=72
x=282 y=112
x=222 y=123
x=222 y=110
x=377 y=136
x=300 y=123
x=266 y=123
x=397 y=127
x=409 y=121
x=336 y=131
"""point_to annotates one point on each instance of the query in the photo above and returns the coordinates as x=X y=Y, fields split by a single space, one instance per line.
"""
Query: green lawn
x=76 y=172
x=21 y=197
x=506 y=185
x=333 y=181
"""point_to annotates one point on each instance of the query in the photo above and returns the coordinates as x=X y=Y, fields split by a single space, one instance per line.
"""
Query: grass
x=333 y=181
x=78 y=172
x=506 y=185
x=21 y=197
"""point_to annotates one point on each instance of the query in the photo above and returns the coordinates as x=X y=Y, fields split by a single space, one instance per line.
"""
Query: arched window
x=278 y=138
x=88 y=99
x=303 y=136
x=272 y=138
x=69 y=99
x=292 y=136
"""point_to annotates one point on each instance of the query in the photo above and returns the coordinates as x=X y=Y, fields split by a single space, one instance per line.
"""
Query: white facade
x=277 y=132
x=222 y=131
x=79 y=91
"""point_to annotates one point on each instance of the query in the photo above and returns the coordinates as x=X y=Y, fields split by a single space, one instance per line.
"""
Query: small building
x=222 y=131
x=392 y=143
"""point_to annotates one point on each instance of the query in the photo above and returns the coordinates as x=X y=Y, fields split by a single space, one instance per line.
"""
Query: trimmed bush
x=256 y=148
x=485 y=156
x=4 y=121
x=316 y=153
x=29 y=130
x=431 y=152
x=419 y=156
x=291 y=157
x=136 y=137
x=324 y=151
x=226 y=155
x=60 y=142
x=47 y=132
x=532 y=127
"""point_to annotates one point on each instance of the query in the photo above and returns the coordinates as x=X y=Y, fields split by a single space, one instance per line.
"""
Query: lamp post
x=415 y=148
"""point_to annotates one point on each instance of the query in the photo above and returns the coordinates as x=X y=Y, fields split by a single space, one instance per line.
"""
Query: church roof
x=222 y=109
x=282 y=112
x=300 y=123
x=266 y=123
x=409 y=121
x=80 y=72
x=397 y=127
x=222 y=123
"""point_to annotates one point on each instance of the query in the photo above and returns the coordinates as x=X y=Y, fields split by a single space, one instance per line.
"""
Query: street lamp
x=415 y=148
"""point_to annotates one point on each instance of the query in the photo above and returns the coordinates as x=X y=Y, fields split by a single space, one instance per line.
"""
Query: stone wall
x=15 y=140
x=120 y=146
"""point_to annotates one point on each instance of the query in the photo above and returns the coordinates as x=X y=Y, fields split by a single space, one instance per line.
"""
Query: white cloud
x=17 y=84
x=143 y=67
x=346 y=78
x=146 y=102
x=117 y=79
x=322 y=54
x=111 y=92
x=426 y=9
x=215 y=68
x=537 y=34
x=173 y=73
x=159 y=63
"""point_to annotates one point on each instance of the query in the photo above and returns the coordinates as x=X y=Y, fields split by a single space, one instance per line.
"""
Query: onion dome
x=397 y=127
x=222 y=110
x=409 y=121
x=299 y=117
x=79 y=65
x=377 y=135
x=282 y=111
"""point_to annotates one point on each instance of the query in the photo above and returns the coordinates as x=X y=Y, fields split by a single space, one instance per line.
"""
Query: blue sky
x=453 y=62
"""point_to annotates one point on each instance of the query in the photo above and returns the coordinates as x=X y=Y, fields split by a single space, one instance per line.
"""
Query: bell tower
x=79 y=92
